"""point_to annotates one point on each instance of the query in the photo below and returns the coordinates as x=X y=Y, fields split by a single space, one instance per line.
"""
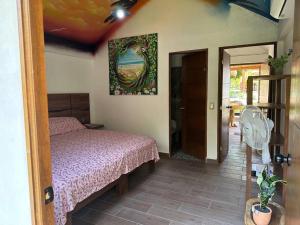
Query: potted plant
x=278 y=63
x=267 y=187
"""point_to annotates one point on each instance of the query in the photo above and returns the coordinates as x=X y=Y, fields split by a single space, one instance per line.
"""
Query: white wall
x=68 y=71
x=285 y=42
x=182 y=26
x=286 y=32
x=14 y=184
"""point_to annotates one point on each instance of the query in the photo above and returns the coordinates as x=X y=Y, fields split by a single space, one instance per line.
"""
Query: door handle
x=49 y=195
x=225 y=107
x=181 y=108
x=281 y=159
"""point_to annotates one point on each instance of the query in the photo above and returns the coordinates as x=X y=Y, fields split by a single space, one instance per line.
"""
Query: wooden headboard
x=70 y=105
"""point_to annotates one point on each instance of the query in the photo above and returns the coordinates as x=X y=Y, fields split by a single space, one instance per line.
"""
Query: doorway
x=236 y=64
x=188 y=104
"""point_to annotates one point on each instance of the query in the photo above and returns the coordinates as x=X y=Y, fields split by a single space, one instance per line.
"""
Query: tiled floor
x=178 y=192
x=181 y=155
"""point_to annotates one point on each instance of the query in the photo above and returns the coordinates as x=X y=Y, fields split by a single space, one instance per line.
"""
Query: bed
x=85 y=162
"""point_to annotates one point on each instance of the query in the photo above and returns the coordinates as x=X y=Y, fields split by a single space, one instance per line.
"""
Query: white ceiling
x=253 y=50
x=253 y=54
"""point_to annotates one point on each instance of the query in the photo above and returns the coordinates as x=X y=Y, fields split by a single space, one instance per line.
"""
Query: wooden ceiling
x=81 y=23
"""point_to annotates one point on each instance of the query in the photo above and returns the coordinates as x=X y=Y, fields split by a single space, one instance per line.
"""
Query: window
x=238 y=84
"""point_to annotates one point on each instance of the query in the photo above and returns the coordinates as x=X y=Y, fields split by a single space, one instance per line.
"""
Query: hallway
x=235 y=162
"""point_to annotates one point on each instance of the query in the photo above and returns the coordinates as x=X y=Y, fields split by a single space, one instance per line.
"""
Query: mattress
x=85 y=161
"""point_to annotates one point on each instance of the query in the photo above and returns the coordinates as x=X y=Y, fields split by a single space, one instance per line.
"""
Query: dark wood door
x=225 y=111
x=194 y=94
x=293 y=171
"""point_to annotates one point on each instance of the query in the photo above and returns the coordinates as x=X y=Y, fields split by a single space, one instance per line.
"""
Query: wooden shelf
x=276 y=108
x=270 y=77
x=276 y=139
x=269 y=105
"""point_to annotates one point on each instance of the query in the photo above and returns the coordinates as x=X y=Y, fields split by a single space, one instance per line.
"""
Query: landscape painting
x=133 y=65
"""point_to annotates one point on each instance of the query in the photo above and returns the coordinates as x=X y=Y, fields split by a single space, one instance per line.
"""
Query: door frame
x=34 y=89
x=170 y=94
x=220 y=85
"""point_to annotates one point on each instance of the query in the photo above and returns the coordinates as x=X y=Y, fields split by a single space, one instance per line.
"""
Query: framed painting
x=133 y=65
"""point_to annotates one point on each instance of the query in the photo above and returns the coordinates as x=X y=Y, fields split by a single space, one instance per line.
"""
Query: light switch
x=211 y=106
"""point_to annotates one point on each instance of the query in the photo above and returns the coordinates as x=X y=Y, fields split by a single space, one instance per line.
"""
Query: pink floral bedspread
x=85 y=161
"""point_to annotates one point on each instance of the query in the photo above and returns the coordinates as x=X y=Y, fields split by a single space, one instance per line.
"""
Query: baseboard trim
x=164 y=155
x=212 y=161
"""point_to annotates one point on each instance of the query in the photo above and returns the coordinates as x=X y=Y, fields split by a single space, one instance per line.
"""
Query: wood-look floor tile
x=80 y=213
x=163 y=179
x=215 y=222
x=230 y=163
x=216 y=196
x=212 y=214
x=157 y=200
x=179 y=192
x=220 y=181
x=142 y=218
x=203 y=186
x=146 y=189
x=239 y=192
x=186 y=198
x=179 y=187
x=105 y=207
x=97 y=218
x=78 y=221
x=221 y=206
x=129 y=203
x=176 y=216
x=176 y=223
x=227 y=171
x=229 y=175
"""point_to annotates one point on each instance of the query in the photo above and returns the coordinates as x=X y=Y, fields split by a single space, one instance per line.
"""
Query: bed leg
x=151 y=165
x=122 y=186
x=69 y=218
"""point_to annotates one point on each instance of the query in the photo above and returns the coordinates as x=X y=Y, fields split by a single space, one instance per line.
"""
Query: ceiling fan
x=120 y=9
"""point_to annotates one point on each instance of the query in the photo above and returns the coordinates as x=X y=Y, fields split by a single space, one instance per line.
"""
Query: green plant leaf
x=259 y=179
x=278 y=181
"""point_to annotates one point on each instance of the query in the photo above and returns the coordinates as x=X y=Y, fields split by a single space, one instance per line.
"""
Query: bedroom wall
x=286 y=32
x=182 y=26
x=67 y=70
x=285 y=42
x=14 y=188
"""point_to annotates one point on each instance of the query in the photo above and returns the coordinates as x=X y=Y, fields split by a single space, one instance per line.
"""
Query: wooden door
x=225 y=110
x=293 y=171
x=36 y=110
x=194 y=94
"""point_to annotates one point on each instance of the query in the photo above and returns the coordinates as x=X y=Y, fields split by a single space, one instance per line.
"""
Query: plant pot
x=278 y=71
x=259 y=217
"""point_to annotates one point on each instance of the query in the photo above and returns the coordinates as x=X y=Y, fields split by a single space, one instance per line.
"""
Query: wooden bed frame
x=78 y=105
x=74 y=105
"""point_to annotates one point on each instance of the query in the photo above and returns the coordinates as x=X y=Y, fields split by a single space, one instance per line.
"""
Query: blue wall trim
x=261 y=7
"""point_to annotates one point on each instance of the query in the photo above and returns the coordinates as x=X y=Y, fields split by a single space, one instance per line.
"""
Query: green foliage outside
x=235 y=86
